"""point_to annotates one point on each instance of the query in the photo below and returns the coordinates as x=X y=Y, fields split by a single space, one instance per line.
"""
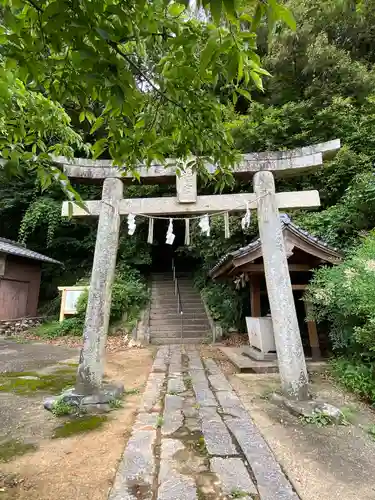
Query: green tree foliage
x=129 y=295
x=141 y=77
x=345 y=296
x=322 y=87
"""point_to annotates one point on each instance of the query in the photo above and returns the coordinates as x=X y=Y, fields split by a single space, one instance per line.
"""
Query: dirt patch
x=322 y=462
x=81 y=466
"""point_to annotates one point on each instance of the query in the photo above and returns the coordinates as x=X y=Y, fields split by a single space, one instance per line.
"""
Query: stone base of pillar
x=99 y=402
x=310 y=409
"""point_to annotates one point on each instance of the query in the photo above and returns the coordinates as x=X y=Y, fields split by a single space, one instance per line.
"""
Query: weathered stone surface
x=152 y=393
x=105 y=395
x=186 y=184
x=291 y=359
x=175 y=366
x=49 y=402
x=173 y=418
x=198 y=376
x=216 y=436
x=189 y=407
x=204 y=395
x=172 y=484
x=204 y=204
x=289 y=160
x=209 y=413
x=192 y=424
x=212 y=367
x=195 y=362
x=219 y=382
x=231 y=404
x=233 y=476
x=161 y=359
x=91 y=365
x=92 y=403
x=137 y=468
x=271 y=481
x=145 y=422
x=176 y=384
x=310 y=408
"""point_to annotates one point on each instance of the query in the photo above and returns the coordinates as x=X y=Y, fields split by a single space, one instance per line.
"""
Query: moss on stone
x=79 y=425
x=52 y=383
x=14 y=448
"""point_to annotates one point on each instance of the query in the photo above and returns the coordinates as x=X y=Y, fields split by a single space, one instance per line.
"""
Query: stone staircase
x=165 y=320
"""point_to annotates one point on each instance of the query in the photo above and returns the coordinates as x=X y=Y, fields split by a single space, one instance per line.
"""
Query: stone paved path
x=194 y=440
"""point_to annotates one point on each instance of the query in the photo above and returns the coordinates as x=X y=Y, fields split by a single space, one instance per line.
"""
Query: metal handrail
x=178 y=295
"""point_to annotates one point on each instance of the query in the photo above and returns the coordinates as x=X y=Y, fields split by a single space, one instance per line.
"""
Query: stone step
x=186 y=313
x=170 y=286
x=177 y=328
x=176 y=332
x=193 y=322
x=166 y=340
x=172 y=295
x=173 y=300
x=172 y=309
x=167 y=283
x=191 y=315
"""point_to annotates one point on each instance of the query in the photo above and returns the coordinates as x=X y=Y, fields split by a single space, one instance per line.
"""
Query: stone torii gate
x=260 y=166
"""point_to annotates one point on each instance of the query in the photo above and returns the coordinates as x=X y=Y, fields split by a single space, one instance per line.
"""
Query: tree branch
x=144 y=76
x=36 y=7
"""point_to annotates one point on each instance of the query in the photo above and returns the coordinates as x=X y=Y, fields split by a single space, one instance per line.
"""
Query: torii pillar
x=91 y=362
x=290 y=355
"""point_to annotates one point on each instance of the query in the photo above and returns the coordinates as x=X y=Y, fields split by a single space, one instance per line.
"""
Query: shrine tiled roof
x=332 y=253
x=14 y=248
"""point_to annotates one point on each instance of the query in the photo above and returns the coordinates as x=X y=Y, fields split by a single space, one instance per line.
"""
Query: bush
x=223 y=301
x=129 y=296
x=357 y=376
x=70 y=326
x=345 y=296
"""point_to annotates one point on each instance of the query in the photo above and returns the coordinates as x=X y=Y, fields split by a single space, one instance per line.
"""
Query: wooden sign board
x=69 y=299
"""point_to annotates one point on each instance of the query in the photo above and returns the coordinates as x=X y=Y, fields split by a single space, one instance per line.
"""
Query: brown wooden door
x=13 y=298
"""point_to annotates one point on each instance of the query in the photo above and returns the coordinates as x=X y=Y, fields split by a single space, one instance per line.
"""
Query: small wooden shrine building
x=20 y=274
x=304 y=252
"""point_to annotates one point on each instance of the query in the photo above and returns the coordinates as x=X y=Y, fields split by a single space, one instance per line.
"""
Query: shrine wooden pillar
x=255 y=295
x=313 y=334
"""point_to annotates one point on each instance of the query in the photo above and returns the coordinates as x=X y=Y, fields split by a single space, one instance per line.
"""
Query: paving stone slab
x=178 y=488
x=145 y=421
x=175 y=365
x=189 y=407
x=136 y=469
x=198 y=377
x=233 y=476
x=161 y=360
x=212 y=367
x=176 y=384
x=204 y=395
x=195 y=362
x=271 y=481
x=172 y=484
x=209 y=413
x=152 y=393
x=219 y=382
x=217 y=438
x=173 y=417
x=231 y=404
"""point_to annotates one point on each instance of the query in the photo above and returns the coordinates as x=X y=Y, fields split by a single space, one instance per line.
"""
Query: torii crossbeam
x=260 y=166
